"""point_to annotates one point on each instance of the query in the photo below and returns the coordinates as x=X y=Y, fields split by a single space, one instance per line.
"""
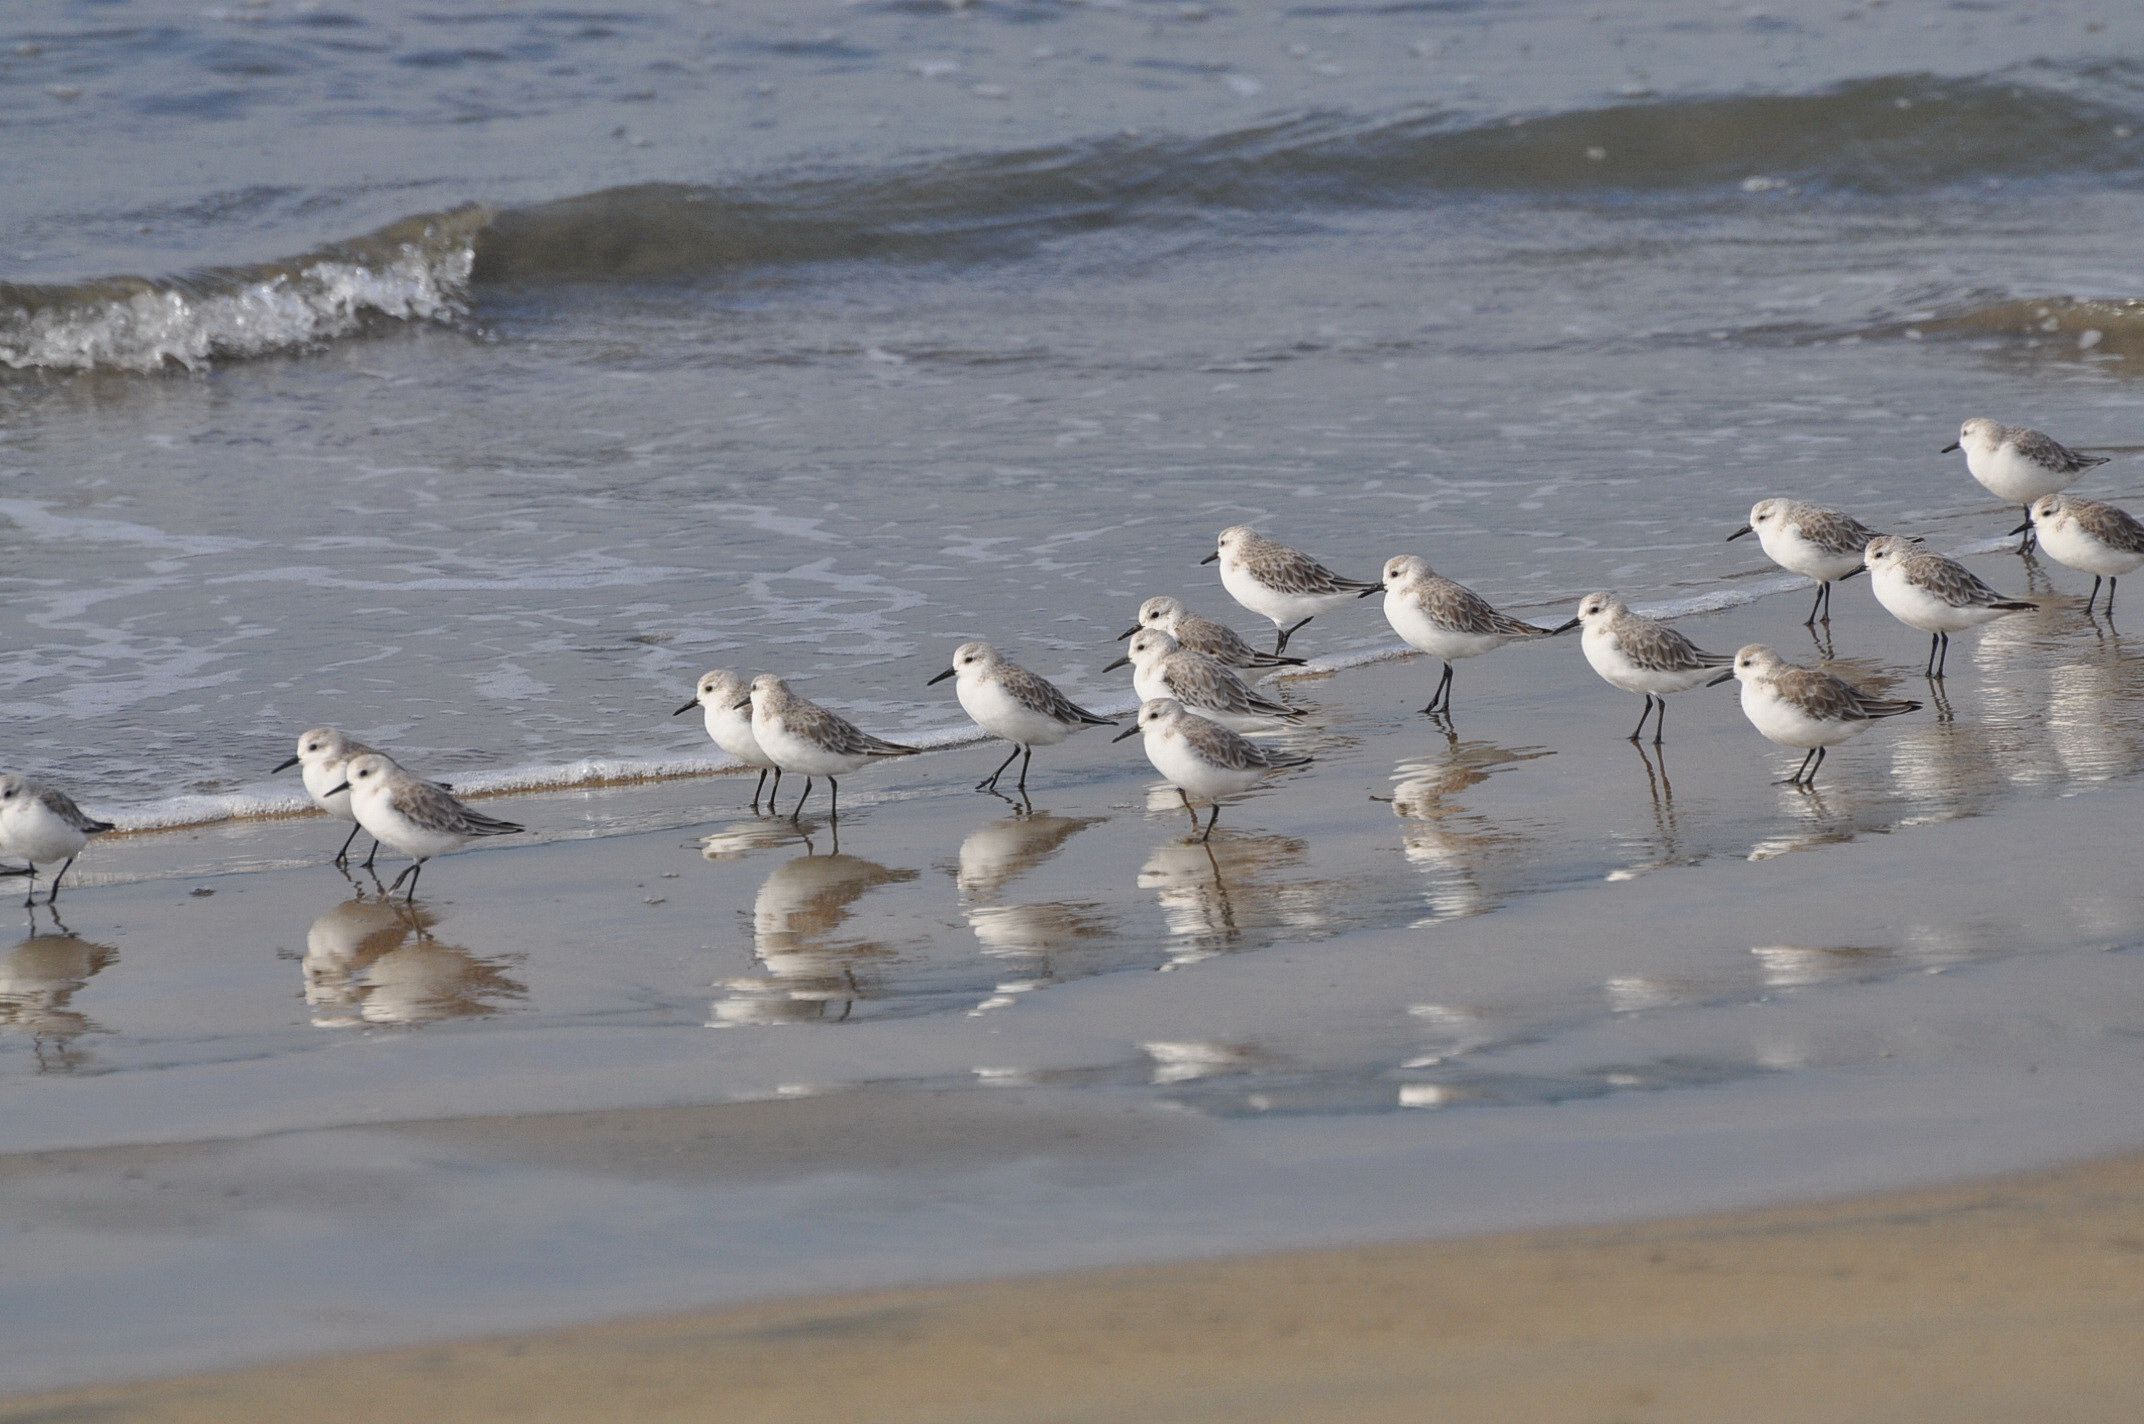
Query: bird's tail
x=1889 y=706
x=483 y=825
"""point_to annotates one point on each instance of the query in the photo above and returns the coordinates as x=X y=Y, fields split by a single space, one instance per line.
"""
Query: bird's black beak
x=1120 y=662
x=2022 y=527
x=1564 y=627
x=740 y=706
x=941 y=677
x=1132 y=731
x=686 y=708
x=287 y=765
x=340 y=789
x=1745 y=529
x=1947 y=449
x=1210 y=558
x=1727 y=676
x=1371 y=592
x=1854 y=573
x=1131 y=632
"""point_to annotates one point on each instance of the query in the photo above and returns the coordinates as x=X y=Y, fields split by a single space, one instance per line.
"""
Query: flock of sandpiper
x=1189 y=671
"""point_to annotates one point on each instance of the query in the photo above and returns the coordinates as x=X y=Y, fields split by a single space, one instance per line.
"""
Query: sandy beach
x=674 y=1057
x=2014 y=1299
x=474 y=379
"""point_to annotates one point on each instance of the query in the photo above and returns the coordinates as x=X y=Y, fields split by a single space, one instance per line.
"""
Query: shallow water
x=486 y=377
x=822 y=341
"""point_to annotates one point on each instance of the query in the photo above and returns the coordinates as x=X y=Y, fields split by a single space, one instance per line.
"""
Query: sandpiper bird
x=1446 y=620
x=1161 y=669
x=2017 y=464
x=723 y=695
x=419 y=818
x=324 y=754
x=1202 y=635
x=1804 y=707
x=42 y=823
x=1202 y=759
x=1275 y=581
x=806 y=738
x=1006 y=700
x=1933 y=593
x=1641 y=655
x=2095 y=538
x=1809 y=540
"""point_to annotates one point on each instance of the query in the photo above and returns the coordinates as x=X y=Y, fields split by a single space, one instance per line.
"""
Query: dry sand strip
x=2017 y=1299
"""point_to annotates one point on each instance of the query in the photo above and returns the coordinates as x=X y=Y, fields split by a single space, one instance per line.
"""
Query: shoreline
x=1981 y=1301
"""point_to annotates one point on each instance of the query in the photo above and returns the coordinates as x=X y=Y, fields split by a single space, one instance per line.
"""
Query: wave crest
x=417 y=269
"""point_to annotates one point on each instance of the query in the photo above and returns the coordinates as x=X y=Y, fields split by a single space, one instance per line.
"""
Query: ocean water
x=474 y=377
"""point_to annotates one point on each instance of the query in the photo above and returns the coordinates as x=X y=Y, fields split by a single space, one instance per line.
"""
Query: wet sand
x=670 y=1056
x=2014 y=1299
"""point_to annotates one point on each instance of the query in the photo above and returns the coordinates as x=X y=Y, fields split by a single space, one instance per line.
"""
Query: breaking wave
x=1873 y=137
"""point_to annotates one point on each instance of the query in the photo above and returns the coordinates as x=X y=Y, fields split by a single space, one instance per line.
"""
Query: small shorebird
x=1446 y=620
x=1810 y=540
x=1642 y=655
x=415 y=816
x=1008 y=701
x=1933 y=593
x=1161 y=669
x=1202 y=635
x=722 y=694
x=2091 y=537
x=1277 y=582
x=323 y=758
x=1804 y=707
x=2017 y=464
x=1202 y=759
x=42 y=823
x=806 y=738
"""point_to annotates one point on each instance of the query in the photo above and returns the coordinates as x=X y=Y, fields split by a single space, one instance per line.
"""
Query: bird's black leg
x=1209 y=823
x=374 y=856
x=2088 y=598
x=416 y=871
x=342 y=857
x=1287 y=633
x=1026 y=762
x=1185 y=797
x=1821 y=753
x=1642 y=716
x=1943 y=661
x=761 y=786
x=1796 y=778
x=52 y=896
x=1934 y=639
x=1660 y=720
x=31 y=898
x=2110 y=598
x=799 y=811
x=1816 y=607
x=2032 y=534
x=1441 y=699
x=396 y=883
x=989 y=783
x=834 y=787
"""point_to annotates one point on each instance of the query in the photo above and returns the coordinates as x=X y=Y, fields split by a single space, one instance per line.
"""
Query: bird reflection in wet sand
x=1663 y=847
x=1823 y=818
x=810 y=975
x=38 y=981
x=375 y=962
x=1040 y=932
x=1214 y=893
x=999 y=851
x=1462 y=851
